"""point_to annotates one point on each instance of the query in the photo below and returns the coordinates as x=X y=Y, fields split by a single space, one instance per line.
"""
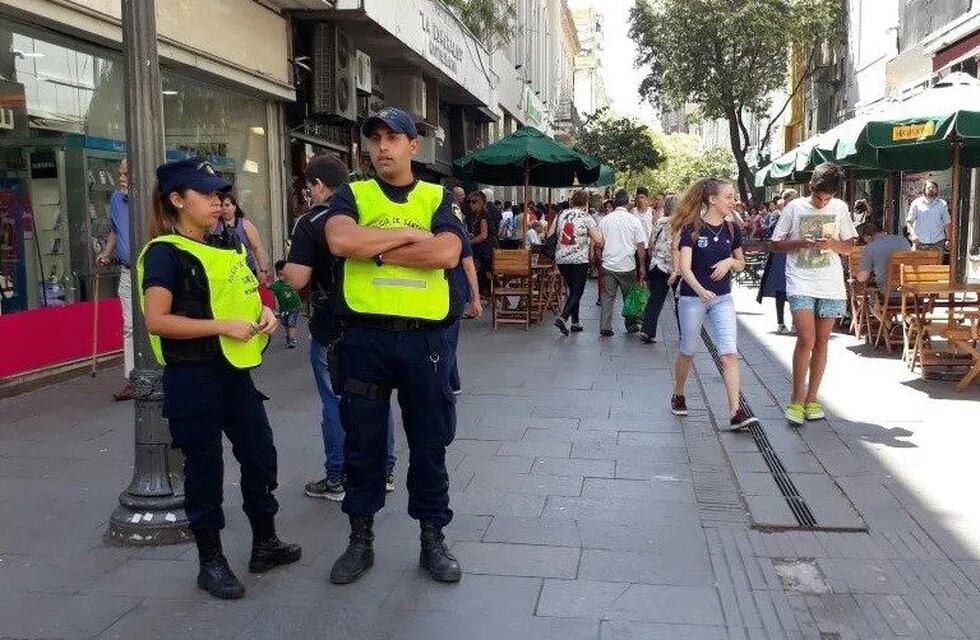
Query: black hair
x=827 y=178
x=225 y=197
x=621 y=199
x=642 y=191
x=328 y=170
x=869 y=228
x=279 y=265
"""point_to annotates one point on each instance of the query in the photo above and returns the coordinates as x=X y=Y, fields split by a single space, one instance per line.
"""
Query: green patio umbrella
x=607 y=177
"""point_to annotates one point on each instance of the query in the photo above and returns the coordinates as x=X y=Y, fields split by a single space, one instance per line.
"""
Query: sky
x=621 y=79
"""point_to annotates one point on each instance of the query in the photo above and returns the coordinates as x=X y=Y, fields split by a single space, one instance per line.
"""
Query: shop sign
x=13 y=107
x=44 y=165
x=533 y=108
x=443 y=40
x=917 y=131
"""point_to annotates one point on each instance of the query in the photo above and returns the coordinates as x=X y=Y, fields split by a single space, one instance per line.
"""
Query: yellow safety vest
x=391 y=290
x=234 y=295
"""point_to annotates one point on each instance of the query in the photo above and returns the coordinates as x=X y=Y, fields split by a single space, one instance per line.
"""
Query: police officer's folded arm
x=347 y=239
x=439 y=252
x=161 y=322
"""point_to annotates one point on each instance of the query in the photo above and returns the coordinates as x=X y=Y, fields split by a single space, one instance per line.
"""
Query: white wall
x=871 y=42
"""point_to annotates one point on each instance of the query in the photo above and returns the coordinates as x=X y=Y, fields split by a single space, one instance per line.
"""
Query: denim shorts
x=288 y=319
x=821 y=307
x=720 y=316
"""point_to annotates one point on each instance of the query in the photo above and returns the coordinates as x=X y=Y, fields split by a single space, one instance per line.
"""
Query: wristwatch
x=379 y=259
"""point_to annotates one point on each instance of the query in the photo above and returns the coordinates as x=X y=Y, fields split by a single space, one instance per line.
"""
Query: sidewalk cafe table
x=962 y=327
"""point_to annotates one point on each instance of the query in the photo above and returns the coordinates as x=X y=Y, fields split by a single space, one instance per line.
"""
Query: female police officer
x=207 y=328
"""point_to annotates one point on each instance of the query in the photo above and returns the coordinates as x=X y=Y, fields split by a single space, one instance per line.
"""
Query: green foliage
x=494 y=22
x=683 y=163
x=622 y=143
x=727 y=56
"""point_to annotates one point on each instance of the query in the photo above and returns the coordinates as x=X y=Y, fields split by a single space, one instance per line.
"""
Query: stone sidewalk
x=583 y=508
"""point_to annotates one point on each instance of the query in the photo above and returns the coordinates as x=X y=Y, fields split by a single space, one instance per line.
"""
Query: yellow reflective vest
x=233 y=295
x=391 y=290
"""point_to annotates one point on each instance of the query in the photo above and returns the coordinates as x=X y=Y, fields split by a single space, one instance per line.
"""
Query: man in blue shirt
x=117 y=245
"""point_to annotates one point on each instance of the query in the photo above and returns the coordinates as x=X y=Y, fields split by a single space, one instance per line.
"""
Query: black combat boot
x=359 y=556
x=435 y=557
x=268 y=550
x=215 y=575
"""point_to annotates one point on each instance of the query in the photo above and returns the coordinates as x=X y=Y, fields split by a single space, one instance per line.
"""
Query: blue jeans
x=452 y=342
x=330 y=425
x=722 y=323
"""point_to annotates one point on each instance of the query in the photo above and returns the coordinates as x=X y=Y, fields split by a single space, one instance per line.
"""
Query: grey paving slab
x=46 y=615
x=642 y=491
x=533 y=531
x=541 y=449
x=492 y=502
x=621 y=511
x=657 y=566
x=539 y=484
x=574 y=467
x=474 y=594
x=676 y=455
x=510 y=559
x=193 y=619
x=620 y=630
x=618 y=601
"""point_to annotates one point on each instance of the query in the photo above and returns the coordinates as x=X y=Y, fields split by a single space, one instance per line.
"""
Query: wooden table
x=961 y=332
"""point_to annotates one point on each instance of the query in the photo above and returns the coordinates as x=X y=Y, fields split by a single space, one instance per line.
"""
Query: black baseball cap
x=395 y=119
x=193 y=173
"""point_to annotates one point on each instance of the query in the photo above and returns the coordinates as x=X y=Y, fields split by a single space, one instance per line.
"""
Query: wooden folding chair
x=857 y=293
x=966 y=337
x=917 y=312
x=887 y=305
x=511 y=278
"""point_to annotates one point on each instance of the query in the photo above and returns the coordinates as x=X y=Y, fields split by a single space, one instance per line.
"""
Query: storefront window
x=62 y=136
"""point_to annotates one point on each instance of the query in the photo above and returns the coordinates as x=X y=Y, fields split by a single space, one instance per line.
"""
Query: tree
x=684 y=161
x=729 y=57
x=622 y=143
x=492 y=21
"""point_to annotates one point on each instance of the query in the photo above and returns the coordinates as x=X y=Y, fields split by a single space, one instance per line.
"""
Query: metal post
x=954 y=212
x=151 y=509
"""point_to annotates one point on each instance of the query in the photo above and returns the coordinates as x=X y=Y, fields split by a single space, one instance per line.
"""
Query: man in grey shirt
x=928 y=220
x=878 y=252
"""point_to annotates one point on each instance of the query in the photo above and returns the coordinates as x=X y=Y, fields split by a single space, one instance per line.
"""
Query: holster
x=334 y=366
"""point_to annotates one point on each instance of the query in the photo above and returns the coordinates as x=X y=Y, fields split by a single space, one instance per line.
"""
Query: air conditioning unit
x=407 y=92
x=362 y=67
x=427 y=150
x=333 y=94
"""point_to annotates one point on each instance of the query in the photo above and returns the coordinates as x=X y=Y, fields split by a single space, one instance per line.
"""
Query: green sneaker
x=795 y=414
x=813 y=411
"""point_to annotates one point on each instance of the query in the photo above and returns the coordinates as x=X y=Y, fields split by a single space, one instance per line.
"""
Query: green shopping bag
x=636 y=302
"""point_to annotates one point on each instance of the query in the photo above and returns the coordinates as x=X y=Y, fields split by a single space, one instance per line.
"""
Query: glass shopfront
x=62 y=136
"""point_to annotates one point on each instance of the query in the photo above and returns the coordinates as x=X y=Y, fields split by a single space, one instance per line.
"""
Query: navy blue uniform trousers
x=415 y=363
x=201 y=402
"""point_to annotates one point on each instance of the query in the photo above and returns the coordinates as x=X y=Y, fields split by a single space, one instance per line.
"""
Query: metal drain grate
x=801 y=511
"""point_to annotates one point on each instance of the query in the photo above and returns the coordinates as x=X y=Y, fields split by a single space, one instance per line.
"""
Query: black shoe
x=632 y=328
x=435 y=557
x=576 y=328
x=327 y=489
x=561 y=326
x=272 y=553
x=605 y=333
x=215 y=576
x=359 y=556
x=678 y=405
x=646 y=339
x=742 y=420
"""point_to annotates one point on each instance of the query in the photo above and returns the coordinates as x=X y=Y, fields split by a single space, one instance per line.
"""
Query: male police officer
x=398 y=236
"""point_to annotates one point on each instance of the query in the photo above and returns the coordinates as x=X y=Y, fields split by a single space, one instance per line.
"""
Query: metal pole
x=954 y=212
x=151 y=509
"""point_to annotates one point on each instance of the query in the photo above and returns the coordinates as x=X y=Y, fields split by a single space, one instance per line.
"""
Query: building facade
x=589 y=86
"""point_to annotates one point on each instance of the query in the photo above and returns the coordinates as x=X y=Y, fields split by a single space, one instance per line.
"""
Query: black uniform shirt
x=308 y=247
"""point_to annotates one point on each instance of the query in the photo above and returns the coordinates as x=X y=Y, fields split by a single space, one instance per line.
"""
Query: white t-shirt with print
x=621 y=233
x=574 y=248
x=814 y=272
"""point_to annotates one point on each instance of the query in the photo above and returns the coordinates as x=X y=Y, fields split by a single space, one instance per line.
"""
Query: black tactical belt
x=391 y=324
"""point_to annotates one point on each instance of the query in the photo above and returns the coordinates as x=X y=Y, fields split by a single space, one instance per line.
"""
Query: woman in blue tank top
x=233 y=220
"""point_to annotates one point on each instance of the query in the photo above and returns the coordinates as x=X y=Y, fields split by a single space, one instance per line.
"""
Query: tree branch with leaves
x=729 y=58
x=622 y=143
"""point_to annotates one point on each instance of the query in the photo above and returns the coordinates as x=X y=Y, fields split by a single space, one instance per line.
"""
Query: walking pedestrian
x=928 y=220
x=233 y=221
x=117 y=246
x=814 y=232
x=397 y=236
x=662 y=272
x=481 y=240
x=310 y=265
x=710 y=251
x=288 y=305
x=774 y=273
x=643 y=210
x=623 y=238
x=208 y=329
x=578 y=233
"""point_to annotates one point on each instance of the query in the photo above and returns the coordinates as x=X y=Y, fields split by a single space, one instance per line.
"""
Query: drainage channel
x=797 y=505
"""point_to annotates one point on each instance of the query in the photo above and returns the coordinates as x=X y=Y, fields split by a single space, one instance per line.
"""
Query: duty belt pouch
x=334 y=366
